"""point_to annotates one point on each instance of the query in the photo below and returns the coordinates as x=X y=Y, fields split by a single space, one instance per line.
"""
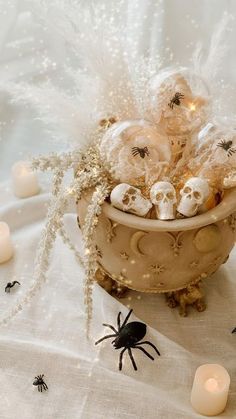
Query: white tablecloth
x=48 y=337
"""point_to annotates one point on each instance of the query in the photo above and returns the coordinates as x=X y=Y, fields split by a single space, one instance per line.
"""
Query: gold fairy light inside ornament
x=192 y=107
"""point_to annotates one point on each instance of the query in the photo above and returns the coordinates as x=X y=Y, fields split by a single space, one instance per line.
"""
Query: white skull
x=163 y=196
x=129 y=199
x=194 y=193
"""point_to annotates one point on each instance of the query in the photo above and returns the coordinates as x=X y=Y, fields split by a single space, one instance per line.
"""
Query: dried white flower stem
x=57 y=161
x=93 y=211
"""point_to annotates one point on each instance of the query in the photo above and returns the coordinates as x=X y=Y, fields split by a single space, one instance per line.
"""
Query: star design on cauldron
x=157 y=269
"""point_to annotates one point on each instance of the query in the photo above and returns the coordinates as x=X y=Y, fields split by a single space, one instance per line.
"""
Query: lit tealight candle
x=25 y=182
x=6 y=247
x=210 y=389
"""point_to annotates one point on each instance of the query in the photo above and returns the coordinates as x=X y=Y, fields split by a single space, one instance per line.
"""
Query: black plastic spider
x=176 y=100
x=39 y=381
x=142 y=152
x=10 y=285
x=128 y=336
x=234 y=330
x=227 y=146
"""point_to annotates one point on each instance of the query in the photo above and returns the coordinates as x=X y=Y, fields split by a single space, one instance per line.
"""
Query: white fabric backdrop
x=48 y=337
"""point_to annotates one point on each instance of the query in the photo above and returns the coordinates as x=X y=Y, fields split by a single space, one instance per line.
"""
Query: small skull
x=130 y=199
x=194 y=193
x=163 y=196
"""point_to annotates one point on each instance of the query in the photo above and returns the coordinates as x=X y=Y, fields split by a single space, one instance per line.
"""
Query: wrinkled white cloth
x=48 y=337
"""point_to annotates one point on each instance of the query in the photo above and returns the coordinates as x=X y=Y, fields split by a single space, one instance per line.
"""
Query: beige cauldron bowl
x=163 y=256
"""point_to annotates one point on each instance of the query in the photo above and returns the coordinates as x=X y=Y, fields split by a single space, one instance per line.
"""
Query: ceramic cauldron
x=163 y=256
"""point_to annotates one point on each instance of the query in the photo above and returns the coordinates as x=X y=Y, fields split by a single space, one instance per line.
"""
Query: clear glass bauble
x=178 y=101
x=135 y=151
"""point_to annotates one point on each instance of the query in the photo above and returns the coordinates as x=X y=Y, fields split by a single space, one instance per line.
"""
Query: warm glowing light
x=192 y=107
x=212 y=385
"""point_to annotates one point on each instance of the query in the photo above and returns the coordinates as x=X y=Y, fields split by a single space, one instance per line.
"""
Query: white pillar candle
x=25 y=181
x=6 y=247
x=210 y=389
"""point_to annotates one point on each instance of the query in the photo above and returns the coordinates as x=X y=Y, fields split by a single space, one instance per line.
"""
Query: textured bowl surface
x=163 y=256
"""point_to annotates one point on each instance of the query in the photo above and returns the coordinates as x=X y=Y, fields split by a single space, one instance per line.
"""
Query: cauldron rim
x=224 y=209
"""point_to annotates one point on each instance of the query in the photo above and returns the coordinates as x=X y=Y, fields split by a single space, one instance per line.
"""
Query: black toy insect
x=10 y=285
x=128 y=336
x=234 y=330
x=142 y=152
x=176 y=100
x=39 y=381
x=227 y=146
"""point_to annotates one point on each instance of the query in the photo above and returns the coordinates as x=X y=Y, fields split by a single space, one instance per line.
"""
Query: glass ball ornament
x=135 y=152
x=179 y=101
x=214 y=155
x=219 y=144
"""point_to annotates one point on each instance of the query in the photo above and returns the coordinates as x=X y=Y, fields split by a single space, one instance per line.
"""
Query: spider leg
x=127 y=318
x=118 y=320
x=231 y=151
x=111 y=327
x=45 y=386
x=151 y=344
x=144 y=351
x=121 y=357
x=105 y=337
x=132 y=359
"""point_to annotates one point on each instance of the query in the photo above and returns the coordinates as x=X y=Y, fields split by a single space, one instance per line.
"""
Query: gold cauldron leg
x=192 y=295
x=111 y=286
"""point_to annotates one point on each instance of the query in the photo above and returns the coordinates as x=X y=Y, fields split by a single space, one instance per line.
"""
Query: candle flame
x=212 y=385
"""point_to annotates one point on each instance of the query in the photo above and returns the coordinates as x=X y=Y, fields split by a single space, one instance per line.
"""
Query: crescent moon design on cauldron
x=135 y=242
